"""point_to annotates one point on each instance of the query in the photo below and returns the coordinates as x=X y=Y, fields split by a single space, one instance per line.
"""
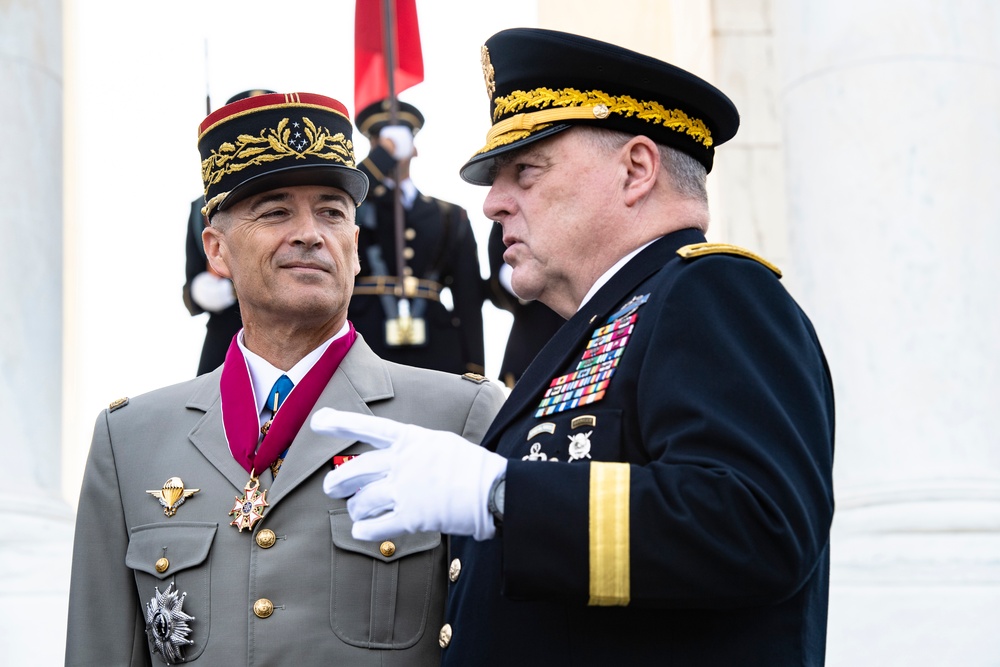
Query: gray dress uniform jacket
x=336 y=600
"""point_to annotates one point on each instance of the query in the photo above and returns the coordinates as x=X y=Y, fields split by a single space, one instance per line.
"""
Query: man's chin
x=525 y=289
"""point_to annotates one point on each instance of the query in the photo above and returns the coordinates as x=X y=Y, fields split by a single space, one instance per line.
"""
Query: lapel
x=567 y=343
x=362 y=377
x=209 y=435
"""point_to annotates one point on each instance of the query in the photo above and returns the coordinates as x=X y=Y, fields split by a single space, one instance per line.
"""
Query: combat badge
x=249 y=509
x=172 y=495
x=167 y=624
x=579 y=446
x=537 y=454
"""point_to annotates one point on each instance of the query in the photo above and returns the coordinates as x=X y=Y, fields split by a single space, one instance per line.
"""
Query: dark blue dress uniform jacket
x=711 y=547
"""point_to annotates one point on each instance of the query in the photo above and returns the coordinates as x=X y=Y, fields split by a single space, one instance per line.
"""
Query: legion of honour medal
x=249 y=509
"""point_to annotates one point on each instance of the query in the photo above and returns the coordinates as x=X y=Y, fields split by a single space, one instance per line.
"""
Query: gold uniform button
x=161 y=565
x=263 y=608
x=454 y=570
x=408 y=253
x=410 y=234
x=266 y=539
x=444 y=637
x=387 y=548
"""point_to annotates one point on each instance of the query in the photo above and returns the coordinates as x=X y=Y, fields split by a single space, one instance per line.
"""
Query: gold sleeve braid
x=610 y=576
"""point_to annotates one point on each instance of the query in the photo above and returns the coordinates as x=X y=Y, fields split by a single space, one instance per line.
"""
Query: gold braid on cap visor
x=270 y=145
x=572 y=104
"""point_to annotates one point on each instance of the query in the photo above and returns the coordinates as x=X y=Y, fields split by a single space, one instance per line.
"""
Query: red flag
x=370 y=73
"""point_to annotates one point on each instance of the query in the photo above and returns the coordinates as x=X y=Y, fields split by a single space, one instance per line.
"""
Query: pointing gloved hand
x=416 y=480
x=402 y=140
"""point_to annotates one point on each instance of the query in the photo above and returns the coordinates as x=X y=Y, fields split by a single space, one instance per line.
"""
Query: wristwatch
x=496 y=498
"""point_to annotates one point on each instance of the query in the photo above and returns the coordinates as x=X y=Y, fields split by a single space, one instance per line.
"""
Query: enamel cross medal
x=249 y=509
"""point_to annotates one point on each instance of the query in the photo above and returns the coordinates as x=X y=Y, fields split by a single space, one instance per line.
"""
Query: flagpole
x=208 y=97
x=389 y=44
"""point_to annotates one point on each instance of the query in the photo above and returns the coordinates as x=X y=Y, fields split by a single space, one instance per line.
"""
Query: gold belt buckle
x=401 y=331
x=410 y=285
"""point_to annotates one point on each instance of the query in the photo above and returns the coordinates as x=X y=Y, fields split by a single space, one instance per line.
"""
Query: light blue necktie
x=279 y=392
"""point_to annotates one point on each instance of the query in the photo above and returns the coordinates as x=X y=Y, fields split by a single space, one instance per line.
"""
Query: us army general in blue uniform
x=660 y=478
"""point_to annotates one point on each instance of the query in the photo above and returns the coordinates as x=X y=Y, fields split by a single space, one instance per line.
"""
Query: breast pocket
x=385 y=594
x=172 y=576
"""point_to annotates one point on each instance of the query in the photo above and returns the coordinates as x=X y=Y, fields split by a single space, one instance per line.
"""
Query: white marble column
x=892 y=149
x=37 y=523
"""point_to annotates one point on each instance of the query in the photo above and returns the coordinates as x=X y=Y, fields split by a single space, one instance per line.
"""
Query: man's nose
x=497 y=205
x=306 y=230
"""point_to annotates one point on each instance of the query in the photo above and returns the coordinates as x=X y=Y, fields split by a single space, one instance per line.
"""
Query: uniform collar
x=607 y=275
x=263 y=374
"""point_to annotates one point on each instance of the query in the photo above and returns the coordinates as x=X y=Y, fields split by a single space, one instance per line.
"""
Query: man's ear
x=216 y=251
x=357 y=260
x=642 y=166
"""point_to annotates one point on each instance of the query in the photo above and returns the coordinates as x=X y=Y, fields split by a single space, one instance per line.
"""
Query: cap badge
x=172 y=495
x=167 y=624
x=488 y=73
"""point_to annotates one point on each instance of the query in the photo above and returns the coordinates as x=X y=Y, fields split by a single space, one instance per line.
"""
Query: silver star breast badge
x=167 y=624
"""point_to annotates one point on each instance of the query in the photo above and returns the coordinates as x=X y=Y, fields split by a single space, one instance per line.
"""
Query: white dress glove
x=211 y=292
x=416 y=480
x=504 y=275
x=402 y=140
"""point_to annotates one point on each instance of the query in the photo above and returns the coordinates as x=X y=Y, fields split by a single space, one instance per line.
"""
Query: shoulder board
x=701 y=249
x=475 y=377
x=118 y=403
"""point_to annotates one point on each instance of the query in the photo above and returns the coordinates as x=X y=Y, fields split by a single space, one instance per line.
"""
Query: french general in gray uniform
x=203 y=534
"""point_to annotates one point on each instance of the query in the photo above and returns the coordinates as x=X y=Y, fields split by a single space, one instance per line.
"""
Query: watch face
x=496 y=501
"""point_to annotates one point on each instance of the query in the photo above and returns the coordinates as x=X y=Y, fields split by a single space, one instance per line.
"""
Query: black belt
x=409 y=287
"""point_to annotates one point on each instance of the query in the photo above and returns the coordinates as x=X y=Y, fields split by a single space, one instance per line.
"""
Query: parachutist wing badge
x=172 y=495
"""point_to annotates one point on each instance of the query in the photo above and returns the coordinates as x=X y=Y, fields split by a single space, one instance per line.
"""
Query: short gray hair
x=686 y=175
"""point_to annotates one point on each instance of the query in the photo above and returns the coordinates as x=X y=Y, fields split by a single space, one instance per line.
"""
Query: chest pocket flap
x=184 y=544
x=402 y=545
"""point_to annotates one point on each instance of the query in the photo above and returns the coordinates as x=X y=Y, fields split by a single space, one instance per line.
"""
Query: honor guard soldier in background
x=206 y=291
x=397 y=302
x=657 y=488
x=534 y=322
x=203 y=534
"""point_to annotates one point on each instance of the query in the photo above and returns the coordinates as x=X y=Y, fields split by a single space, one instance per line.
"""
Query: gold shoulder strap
x=701 y=249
